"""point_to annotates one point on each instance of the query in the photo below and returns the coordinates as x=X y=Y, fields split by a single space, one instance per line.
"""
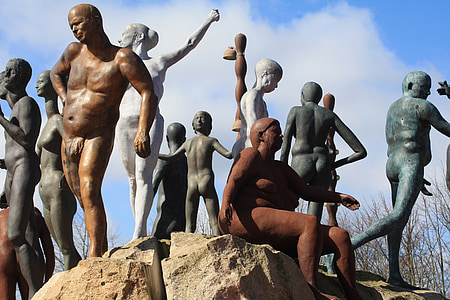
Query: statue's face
x=3 y=90
x=201 y=123
x=270 y=82
x=42 y=85
x=127 y=39
x=273 y=137
x=80 y=24
x=421 y=87
x=10 y=75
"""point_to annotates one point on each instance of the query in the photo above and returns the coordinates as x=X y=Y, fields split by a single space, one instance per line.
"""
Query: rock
x=130 y=272
x=227 y=267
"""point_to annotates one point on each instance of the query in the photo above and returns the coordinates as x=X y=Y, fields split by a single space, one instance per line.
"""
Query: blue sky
x=358 y=50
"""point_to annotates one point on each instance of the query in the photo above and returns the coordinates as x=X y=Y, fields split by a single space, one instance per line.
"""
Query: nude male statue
x=252 y=106
x=408 y=124
x=23 y=173
x=10 y=275
x=171 y=178
x=141 y=39
x=199 y=151
x=58 y=200
x=310 y=124
x=90 y=78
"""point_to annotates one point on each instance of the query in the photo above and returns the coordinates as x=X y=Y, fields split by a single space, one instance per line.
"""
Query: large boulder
x=227 y=267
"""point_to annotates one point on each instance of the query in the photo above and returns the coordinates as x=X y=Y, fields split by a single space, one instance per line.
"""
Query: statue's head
x=259 y=127
x=17 y=73
x=85 y=21
x=138 y=34
x=176 y=133
x=417 y=84
x=311 y=92
x=44 y=85
x=202 y=122
x=268 y=73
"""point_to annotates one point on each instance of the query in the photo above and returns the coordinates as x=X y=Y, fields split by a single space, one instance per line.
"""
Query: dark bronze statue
x=199 y=151
x=408 y=124
x=23 y=173
x=310 y=125
x=171 y=178
x=90 y=78
x=59 y=203
x=10 y=274
x=258 y=205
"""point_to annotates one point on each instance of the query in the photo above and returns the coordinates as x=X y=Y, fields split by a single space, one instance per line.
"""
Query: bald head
x=142 y=34
x=258 y=128
x=268 y=66
x=311 y=92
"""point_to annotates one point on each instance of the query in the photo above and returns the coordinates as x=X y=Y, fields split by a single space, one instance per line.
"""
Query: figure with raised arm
x=171 y=179
x=22 y=170
x=408 y=124
x=141 y=39
x=199 y=151
x=58 y=200
x=258 y=205
x=91 y=78
x=309 y=124
x=252 y=106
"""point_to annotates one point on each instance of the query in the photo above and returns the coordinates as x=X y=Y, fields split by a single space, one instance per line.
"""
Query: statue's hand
x=142 y=144
x=214 y=15
x=349 y=202
x=444 y=89
x=226 y=214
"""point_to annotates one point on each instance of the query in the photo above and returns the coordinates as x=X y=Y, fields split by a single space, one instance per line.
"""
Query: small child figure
x=199 y=150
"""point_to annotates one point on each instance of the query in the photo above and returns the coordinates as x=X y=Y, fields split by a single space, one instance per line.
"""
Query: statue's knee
x=90 y=189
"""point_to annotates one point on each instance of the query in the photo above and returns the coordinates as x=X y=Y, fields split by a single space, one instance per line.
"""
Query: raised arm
x=193 y=40
x=221 y=149
x=29 y=122
x=137 y=74
x=289 y=132
x=352 y=141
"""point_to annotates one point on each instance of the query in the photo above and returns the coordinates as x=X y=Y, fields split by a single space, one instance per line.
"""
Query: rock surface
x=203 y=267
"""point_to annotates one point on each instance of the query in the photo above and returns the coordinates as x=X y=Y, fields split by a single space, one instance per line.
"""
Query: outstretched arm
x=174 y=156
x=289 y=132
x=430 y=113
x=193 y=40
x=353 y=142
x=221 y=149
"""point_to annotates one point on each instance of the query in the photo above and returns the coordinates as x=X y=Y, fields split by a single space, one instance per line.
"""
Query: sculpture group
x=102 y=86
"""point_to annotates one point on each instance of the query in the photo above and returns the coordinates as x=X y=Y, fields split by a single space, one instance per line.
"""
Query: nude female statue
x=141 y=39
x=258 y=205
x=57 y=198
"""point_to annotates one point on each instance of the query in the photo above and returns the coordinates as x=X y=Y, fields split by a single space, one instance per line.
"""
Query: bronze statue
x=408 y=124
x=171 y=178
x=310 y=124
x=199 y=151
x=90 y=78
x=10 y=274
x=23 y=173
x=59 y=203
x=258 y=205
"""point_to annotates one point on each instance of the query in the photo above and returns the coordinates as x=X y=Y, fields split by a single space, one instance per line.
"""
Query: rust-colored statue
x=258 y=205
x=10 y=274
x=90 y=78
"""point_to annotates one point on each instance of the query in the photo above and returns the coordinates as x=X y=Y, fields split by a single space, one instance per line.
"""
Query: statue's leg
x=192 y=201
x=337 y=241
x=8 y=263
x=212 y=206
x=93 y=162
x=22 y=230
x=144 y=177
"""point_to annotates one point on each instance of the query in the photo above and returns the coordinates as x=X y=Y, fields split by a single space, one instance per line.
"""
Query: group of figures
x=97 y=82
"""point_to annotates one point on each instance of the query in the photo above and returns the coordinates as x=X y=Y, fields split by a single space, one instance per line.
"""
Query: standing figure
x=23 y=173
x=90 y=78
x=310 y=124
x=10 y=274
x=59 y=203
x=171 y=178
x=408 y=124
x=199 y=151
x=141 y=39
x=258 y=205
x=252 y=107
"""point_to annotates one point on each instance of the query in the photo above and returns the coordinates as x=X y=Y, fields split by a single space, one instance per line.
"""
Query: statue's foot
x=403 y=284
